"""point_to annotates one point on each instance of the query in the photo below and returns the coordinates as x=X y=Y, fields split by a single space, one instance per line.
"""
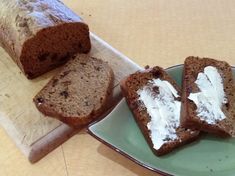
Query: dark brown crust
x=41 y=35
x=142 y=77
x=77 y=120
x=189 y=119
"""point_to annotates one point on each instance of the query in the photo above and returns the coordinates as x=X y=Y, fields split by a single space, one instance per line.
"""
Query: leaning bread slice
x=154 y=99
x=79 y=93
x=208 y=96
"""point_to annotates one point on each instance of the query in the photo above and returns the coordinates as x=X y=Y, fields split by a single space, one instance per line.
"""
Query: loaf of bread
x=79 y=93
x=155 y=100
x=208 y=98
x=39 y=35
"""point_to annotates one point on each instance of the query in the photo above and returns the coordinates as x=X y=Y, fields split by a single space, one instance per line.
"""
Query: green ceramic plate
x=207 y=156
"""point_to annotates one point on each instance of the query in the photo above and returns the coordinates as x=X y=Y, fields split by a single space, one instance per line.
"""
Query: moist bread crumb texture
x=189 y=118
x=79 y=93
x=130 y=87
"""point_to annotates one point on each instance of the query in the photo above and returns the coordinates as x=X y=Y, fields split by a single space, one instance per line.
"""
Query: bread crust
x=189 y=118
x=129 y=86
x=39 y=35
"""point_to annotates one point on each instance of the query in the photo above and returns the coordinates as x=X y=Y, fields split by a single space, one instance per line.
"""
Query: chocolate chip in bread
x=79 y=93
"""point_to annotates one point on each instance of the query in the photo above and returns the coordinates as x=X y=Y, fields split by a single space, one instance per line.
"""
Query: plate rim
x=116 y=149
x=120 y=151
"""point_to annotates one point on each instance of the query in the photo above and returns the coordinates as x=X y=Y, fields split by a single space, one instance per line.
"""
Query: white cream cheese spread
x=211 y=96
x=159 y=98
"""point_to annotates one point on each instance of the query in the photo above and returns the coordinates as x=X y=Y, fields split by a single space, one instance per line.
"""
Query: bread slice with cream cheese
x=208 y=98
x=155 y=101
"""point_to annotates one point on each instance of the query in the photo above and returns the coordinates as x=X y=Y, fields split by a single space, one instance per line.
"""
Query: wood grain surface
x=35 y=134
x=153 y=32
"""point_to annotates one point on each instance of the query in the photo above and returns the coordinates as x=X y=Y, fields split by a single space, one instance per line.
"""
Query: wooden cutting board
x=34 y=134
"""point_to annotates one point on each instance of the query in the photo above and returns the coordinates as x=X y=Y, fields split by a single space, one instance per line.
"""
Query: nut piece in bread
x=208 y=97
x=79 y=93
x=154 y=99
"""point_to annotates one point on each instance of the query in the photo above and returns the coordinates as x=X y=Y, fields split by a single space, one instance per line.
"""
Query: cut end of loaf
x=53 y=46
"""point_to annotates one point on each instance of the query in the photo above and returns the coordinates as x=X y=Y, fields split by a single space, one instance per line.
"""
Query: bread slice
x=203 y=117
x=79 y=93
x=162 y=132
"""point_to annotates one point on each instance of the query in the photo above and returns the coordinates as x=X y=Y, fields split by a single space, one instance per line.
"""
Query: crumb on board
x=146 y=67
x=7 y=95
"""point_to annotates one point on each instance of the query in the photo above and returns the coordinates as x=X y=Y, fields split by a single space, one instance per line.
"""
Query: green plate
x=207 y=156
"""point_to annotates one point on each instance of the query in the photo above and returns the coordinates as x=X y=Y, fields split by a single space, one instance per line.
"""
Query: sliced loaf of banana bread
x=40 y=35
